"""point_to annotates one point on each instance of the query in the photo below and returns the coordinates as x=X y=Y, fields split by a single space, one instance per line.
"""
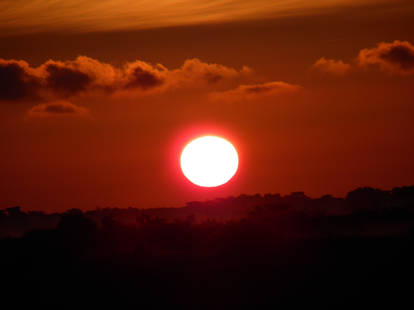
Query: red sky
x=94 y=108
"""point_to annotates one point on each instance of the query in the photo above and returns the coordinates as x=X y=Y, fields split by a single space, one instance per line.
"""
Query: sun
x=209 y=161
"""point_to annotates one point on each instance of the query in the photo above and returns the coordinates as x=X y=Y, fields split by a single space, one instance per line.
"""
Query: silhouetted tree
x=367 y=198
x=15 y=212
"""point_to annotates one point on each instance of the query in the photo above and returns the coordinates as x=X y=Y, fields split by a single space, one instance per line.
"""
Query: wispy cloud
x=22 y=16
x=255 y=92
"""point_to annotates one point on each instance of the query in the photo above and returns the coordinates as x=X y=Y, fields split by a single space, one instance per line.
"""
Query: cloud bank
x=52 y=87
x=57 y=80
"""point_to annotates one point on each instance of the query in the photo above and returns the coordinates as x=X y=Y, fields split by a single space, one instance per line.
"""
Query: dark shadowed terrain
x=221 y=254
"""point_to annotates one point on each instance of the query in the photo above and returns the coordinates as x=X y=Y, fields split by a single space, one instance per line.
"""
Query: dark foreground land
x=224 y=254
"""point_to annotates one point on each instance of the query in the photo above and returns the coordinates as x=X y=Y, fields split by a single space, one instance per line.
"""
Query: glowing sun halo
x=209 y=161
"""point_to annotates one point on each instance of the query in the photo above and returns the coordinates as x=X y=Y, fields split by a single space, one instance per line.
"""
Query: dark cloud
x=143 y=76
x=16 y=83
x=66 y=81
x=395 y=57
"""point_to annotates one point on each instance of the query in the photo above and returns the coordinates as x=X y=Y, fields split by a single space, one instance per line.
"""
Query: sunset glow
x=206 y=154
x=99 y=98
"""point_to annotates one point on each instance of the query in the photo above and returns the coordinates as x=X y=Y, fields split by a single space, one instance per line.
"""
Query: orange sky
x=96 y=102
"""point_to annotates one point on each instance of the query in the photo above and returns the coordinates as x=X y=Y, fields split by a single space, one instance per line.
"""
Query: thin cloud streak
x=58 y=108
x=25 y=16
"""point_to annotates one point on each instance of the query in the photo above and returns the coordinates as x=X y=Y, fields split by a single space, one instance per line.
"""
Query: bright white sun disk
x=209 y=161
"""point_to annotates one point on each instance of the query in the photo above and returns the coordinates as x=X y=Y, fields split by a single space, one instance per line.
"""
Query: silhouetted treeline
x=226 y=253
x=374 y=203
